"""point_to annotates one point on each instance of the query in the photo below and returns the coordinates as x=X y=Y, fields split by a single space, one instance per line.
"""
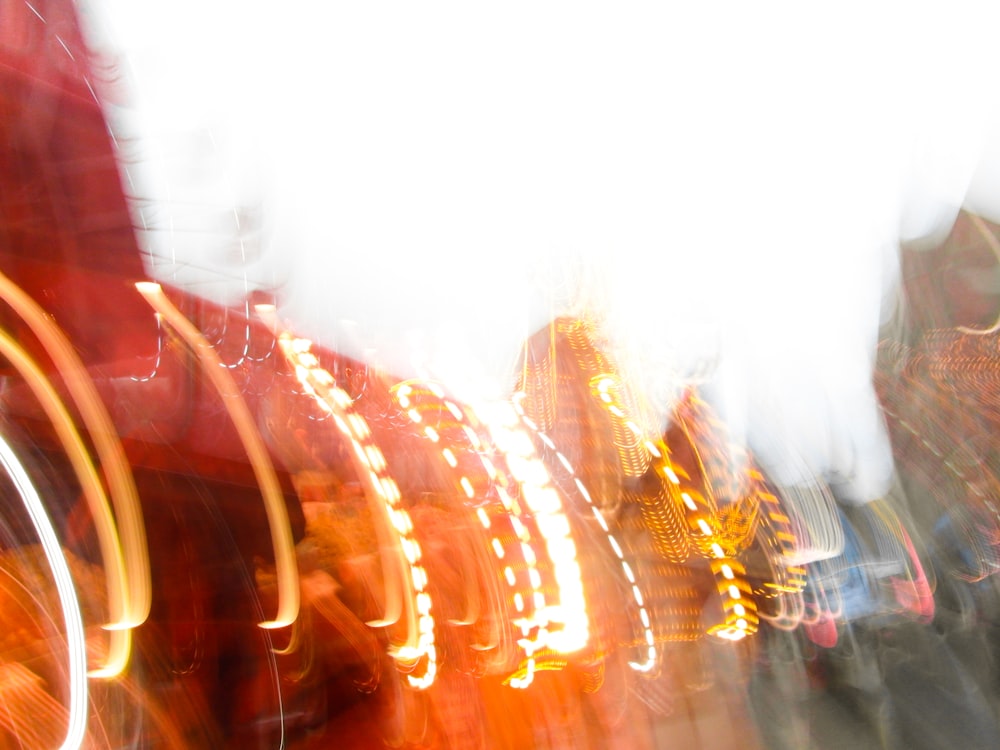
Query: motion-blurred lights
x=114 y=464
x=75 y=641
x=394 y=525
x=218 y=375
x=116 y=573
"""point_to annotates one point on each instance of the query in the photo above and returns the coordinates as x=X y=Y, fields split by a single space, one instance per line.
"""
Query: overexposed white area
x=424 y=184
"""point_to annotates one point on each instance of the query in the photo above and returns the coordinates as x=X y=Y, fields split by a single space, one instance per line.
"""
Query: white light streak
x=76 y=643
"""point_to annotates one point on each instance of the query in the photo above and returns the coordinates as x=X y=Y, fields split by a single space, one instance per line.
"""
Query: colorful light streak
x=726 y=497
x=467 y=443
x=738 y=606
x=76 y=729
x=803 y=505
x=97 y=502
x=513 y=444
x=274 y=504
x=663 y=513
x=777 y=535
x=100 y=427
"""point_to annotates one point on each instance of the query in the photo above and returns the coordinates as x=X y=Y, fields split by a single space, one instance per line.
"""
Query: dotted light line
x=628 y=436
x=528 y=642
x=789 y=580
x=545 y=505
x=662 y=516
x=372 y=469
x=781 y=537
x=738 y=606
x=649 y=655
x=76 y=729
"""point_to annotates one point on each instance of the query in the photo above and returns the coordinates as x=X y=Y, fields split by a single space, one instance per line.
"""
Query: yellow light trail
x=400 y=552
x=111 y=455
x=76 y=643
x=285 y=565
x=97 y=502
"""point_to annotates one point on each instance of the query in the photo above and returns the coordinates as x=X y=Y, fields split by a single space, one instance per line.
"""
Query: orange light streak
x=100 y=427
x=664 y=514
x=683 y=504
x=97 y=502
x=789 y=578
x=285 y=565
x=739 y=608
x=629 y=441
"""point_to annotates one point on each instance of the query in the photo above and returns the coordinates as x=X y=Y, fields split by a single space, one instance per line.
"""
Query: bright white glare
x=726 y=183
x=75 y=642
